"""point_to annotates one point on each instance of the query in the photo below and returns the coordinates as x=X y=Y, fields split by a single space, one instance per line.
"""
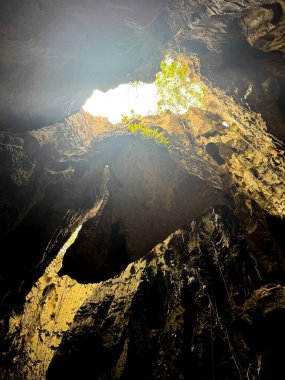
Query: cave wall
x=58 y=173
x=208 y=300
x=200 y=305
x=36 y=331
x=129 y=194
x=108 y=163
x=241 y=47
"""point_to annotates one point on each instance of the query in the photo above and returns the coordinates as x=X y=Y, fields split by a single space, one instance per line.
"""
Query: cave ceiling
x=217 y=193
x=54 y=53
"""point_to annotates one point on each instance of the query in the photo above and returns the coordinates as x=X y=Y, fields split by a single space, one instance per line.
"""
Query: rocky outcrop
x=231 y=39
x=150 y=196
x=264 y=26
x=264 y=314
x=36 y=330
x=214 y=22
x=186 y=310
x=128 y=193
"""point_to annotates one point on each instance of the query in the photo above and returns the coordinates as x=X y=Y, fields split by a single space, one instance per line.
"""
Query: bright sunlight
x=172 y=90
x=138 y=96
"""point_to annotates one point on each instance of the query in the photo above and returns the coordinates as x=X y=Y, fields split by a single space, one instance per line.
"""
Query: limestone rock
x=176 y=313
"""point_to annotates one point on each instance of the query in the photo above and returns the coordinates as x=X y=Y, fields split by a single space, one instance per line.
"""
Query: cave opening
x=113 y=104
x=172 y=90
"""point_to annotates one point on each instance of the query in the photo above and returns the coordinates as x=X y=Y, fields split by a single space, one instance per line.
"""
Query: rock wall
x=199 y=305
x=263 y=258
x=241 y=47
x=128 y=193
x=35 y=331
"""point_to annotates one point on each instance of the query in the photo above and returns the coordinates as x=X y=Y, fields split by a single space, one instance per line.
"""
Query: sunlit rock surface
x=36 y=331
x=183 y=311
x=136 y=185
x=125 y=190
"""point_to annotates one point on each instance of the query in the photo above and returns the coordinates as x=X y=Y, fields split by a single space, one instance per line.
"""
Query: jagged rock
x=230 y=39
x=85 y=171
x=36 y=331
x=176 y=314
x=147 y=182
x=150 y=196
x=264 y=314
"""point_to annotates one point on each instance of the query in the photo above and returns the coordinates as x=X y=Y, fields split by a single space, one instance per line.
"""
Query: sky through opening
x=142 y=98
x=173 y=90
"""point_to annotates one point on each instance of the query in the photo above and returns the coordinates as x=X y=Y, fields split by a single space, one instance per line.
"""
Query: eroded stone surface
x=84 y=169
x=35 y=332
x=54 y=53
x=179 y=312
x=87 y=161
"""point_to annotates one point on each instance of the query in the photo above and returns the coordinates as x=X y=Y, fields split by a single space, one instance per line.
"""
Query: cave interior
x=152 y=247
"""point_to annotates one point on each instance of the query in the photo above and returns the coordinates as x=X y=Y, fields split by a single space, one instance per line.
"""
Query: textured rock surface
x=186 y=310
x=150 y=196
x=209 y=301
x=214 y=21
x=137 y=192
x=36 y=331
x=230 y=39
x=40 y=211
x=129 y=191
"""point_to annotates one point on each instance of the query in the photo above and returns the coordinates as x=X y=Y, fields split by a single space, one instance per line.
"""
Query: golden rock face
x=48 y=312
x=165 y=311
x=247 y=158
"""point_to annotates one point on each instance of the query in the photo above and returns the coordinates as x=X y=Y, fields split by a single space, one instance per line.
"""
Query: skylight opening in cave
x=172 y=90
x=139 y=97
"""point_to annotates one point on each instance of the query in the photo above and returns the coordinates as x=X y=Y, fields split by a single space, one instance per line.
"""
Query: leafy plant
x=176 y=92
x=175 y=89
x=135 y=125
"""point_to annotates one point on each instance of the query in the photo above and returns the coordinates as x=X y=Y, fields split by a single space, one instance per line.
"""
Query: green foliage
x=176 y=92
x=135 y=126
x=149 y=133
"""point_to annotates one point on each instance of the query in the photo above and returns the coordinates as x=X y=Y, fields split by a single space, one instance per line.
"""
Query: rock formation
x=175 y=265
x=188 y=309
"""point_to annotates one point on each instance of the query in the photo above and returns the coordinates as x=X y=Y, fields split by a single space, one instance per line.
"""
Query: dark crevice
x=213 y=150
x=277 y=11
